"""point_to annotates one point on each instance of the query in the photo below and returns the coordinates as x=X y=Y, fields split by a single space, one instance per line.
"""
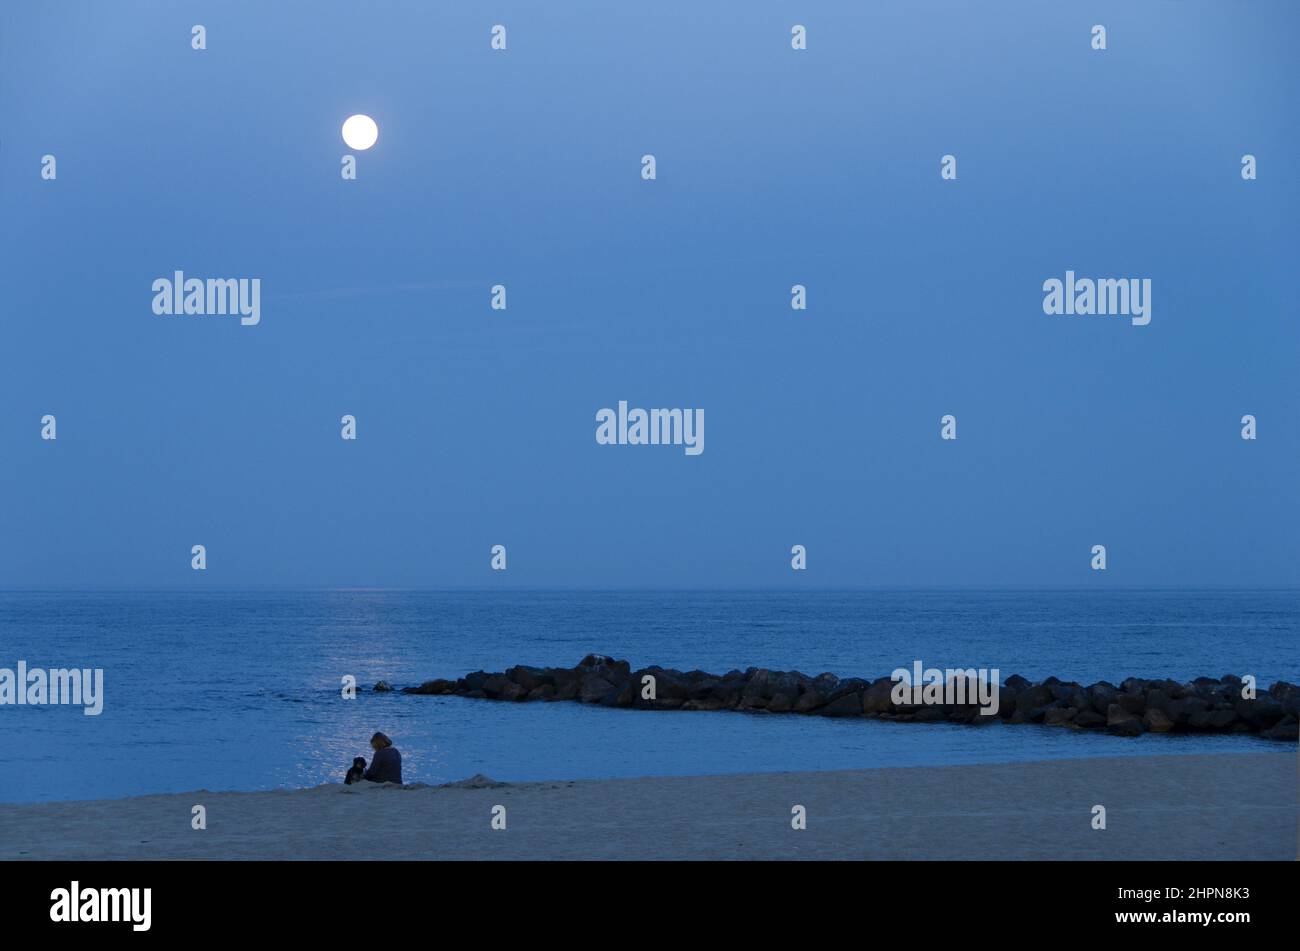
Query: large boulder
x=1134 y=703
x=620 y=696
x=1060 y=716
x=780 y=703
x=499 y=687
x=1032 y=704
x=433 y=687
x=1007 y=697
x=1157 y=721
x=759 y=683
x=824 y=683
x=530 y=678
x=1102 y=695
x=878 y=698
x=1089 y=719
x=1212 y=721
x=1282 y=690
x=847 y=704
x=1181 y=711
x=595 y=688
x=1288 y=695
x=1287 y=729
x=669 y=684
x=1121 y=722
x=792 y=682
x=1134 y=685
x=809 y=701
x=849 y=686
x=1262 y=713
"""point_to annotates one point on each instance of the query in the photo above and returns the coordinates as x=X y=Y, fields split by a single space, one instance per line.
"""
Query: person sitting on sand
x=386 y=765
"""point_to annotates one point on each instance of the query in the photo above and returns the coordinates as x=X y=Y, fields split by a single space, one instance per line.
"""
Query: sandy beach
x=1229 y=806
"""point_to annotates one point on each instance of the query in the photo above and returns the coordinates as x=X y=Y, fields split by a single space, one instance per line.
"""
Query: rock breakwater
x=1131 y=708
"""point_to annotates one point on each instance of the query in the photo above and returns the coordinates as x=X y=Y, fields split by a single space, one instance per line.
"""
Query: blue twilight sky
x=775 y=167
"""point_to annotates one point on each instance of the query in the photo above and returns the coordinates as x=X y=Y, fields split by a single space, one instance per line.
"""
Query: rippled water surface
x=240 y=690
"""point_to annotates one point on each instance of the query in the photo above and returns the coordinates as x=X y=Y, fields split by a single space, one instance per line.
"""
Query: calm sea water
x=240 y=690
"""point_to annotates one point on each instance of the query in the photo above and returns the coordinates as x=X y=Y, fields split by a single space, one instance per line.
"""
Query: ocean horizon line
x=784 y=588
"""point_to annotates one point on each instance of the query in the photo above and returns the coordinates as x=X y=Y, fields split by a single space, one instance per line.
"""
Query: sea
x=243 y=689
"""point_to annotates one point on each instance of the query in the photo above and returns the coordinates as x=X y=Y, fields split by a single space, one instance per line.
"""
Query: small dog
x=357 y=772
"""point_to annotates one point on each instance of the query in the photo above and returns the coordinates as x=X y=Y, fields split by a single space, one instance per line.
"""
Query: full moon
x=360 y=132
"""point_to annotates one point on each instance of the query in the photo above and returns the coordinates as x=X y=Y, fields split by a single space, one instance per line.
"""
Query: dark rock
x=1102 y=695
x=1121 y=722
x=433 y=687
x=846 y=705
x=1212 y=720
x=759 y=683
x=792 y=683
x=809 y=701
x=1031 y=704
x=1061 y=691
x=563 y=676
x=1089 y=720
x=1007 y=697
x=1287 y=729
x=530 y=678
x=1060 y=716
x=1157 y=721
x=1134 y=703
x=849 y=686
x=669 y=685
x=824 y=683
x=1180 y=711
x=620 y=696
x=878 y=698
x=383 y=687
x=780 y=703
x=696 y=689
x=1138 y=705
x=594 y=688
x=1282 y=690
x=498 y=687
x=1262 y=713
